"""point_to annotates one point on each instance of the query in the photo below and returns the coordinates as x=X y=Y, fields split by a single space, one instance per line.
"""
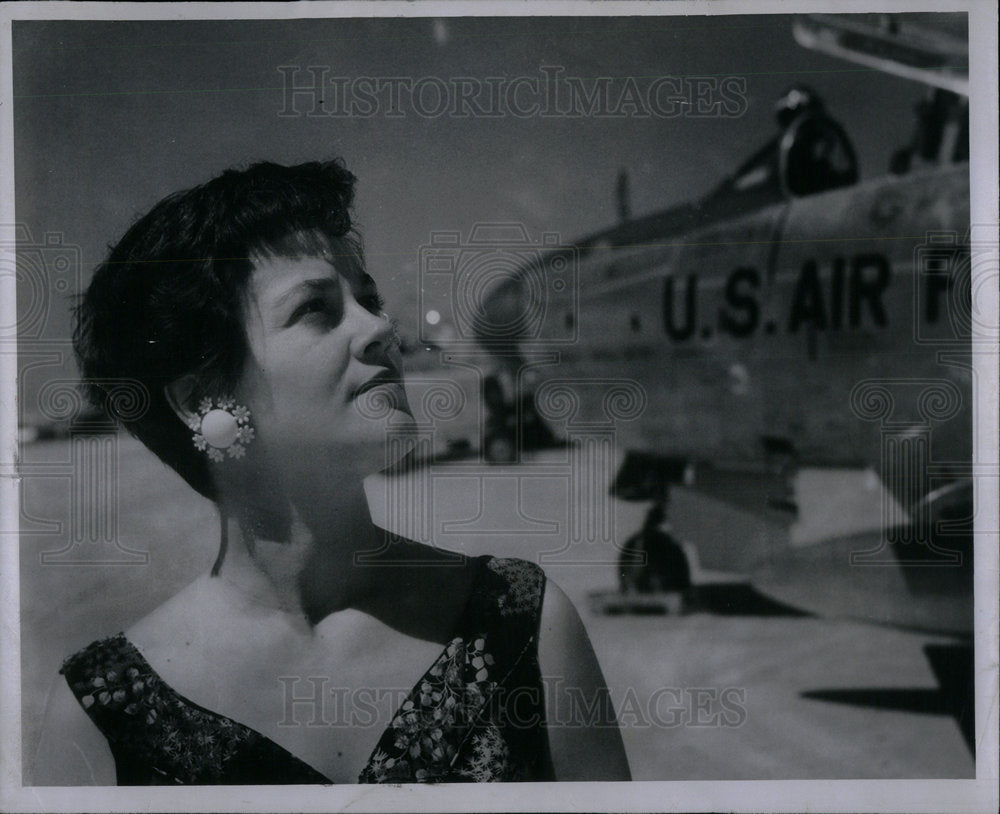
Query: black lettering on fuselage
x=690 y=303
x=741 y=312
x=837 y=293
x=807 y=301
x=937 y=284
x=866 y=288
x=856 y=285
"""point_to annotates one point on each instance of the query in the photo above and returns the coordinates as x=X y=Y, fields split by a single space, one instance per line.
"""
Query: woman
x=244 y=309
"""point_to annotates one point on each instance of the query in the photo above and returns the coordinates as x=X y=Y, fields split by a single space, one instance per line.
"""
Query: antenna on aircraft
x=622 y=191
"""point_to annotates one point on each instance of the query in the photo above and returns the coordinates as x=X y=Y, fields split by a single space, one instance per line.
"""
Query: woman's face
x=324 y=373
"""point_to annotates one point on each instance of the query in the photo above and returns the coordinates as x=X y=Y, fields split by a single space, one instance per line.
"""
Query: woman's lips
x=383 y=391
x=385 y=380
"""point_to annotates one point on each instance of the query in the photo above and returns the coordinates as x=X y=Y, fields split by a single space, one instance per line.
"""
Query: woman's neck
x=314 y=569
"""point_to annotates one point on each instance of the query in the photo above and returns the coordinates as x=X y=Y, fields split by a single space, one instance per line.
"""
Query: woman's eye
x=313 y=307
x=316 y=305
x=372 y=302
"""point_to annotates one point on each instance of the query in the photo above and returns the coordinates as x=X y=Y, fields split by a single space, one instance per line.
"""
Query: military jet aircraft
x=797 y=345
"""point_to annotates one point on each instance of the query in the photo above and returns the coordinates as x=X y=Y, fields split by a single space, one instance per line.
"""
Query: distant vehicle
x=803 y=341
x=89 y=419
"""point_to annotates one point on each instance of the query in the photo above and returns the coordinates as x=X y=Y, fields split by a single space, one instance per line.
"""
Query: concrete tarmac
x=699 y=696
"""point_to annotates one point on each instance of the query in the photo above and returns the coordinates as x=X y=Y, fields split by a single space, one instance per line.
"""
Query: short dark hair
x=168 y=300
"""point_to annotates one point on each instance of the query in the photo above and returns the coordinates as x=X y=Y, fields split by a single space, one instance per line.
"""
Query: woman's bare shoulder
x=174 y=609
x=72 y=751
x=183 y=624
x=584 y=739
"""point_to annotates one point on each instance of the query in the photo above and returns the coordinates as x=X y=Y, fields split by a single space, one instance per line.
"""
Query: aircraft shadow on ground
x=738 y=599
x=955 y=694
x=720 y=599
x=462 y=450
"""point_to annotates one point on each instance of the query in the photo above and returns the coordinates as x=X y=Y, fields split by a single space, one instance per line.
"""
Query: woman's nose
x=375 y=334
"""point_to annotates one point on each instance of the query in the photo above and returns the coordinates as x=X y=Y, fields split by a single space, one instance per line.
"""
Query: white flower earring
x=221 y=427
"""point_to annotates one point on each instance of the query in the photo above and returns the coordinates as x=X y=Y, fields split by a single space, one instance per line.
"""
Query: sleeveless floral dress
x=476 y=715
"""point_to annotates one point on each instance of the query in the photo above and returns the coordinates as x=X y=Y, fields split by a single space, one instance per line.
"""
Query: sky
x=110 y=117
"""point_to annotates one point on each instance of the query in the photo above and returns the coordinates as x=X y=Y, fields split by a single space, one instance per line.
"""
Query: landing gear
x=499 y=448
x=511 y=427
x=654 y=576
x=652 y=561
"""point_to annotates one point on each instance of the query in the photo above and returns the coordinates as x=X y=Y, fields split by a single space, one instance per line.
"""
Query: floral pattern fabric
x=458 y=723
x=157 y=737
x=524 y=582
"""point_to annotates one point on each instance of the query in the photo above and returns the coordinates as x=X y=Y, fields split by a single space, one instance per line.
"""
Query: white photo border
x=978 y=795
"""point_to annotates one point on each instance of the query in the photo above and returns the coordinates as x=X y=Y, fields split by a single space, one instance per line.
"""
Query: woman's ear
x=180 y=395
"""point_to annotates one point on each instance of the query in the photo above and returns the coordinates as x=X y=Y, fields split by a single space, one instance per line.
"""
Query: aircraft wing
x=831 y=541
x=896 y=44
x=782 y=506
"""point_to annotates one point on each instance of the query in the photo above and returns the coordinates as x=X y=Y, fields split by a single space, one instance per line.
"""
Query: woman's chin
x=402 y=454
x=376 y=446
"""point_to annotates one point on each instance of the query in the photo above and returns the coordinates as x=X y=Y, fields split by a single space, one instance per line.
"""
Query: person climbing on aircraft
x=815 y=153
